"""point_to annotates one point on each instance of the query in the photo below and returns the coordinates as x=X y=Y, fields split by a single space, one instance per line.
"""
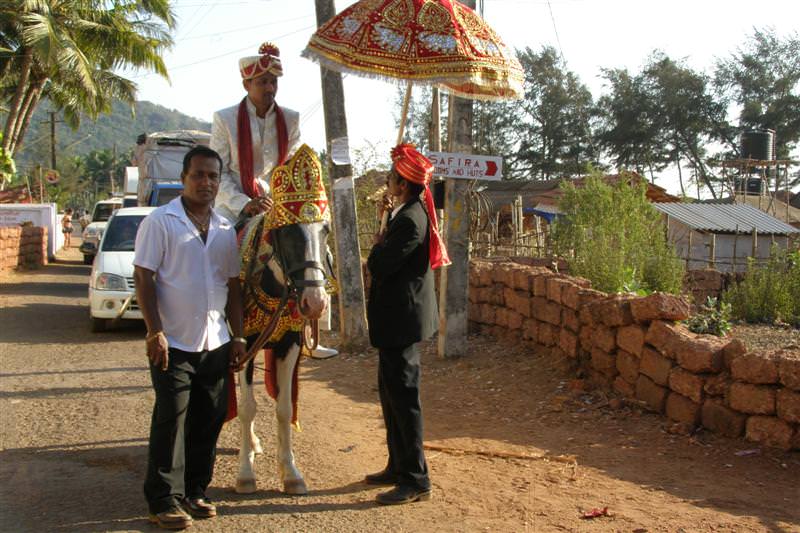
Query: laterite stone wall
x=22 y=247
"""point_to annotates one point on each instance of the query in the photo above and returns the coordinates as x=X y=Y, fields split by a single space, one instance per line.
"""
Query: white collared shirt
x=191 y=276
x=397 y=210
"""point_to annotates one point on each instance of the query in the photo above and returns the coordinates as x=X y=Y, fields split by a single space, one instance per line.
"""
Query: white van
x=112 y=296
x=94 y=231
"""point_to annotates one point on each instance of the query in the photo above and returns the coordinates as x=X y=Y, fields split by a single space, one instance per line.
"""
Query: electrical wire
x=246 y=28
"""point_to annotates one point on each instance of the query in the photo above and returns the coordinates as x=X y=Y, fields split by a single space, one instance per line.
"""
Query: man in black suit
x=402 y=311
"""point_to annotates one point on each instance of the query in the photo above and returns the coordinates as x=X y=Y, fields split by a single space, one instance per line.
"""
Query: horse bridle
x=292 y=289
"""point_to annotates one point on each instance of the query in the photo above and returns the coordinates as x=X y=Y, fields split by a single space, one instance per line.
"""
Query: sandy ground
x=75 y=408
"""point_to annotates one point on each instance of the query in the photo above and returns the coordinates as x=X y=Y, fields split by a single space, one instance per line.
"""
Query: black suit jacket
x=402 y=306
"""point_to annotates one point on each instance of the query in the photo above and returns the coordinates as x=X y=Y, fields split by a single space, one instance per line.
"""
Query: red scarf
x=245 y=146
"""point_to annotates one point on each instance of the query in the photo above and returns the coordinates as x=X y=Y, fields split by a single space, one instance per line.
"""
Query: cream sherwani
x=231 y=198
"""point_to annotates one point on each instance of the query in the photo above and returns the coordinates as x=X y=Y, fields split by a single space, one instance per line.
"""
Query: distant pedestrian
x=66 y=227
x=187 y=285
x=402 y=311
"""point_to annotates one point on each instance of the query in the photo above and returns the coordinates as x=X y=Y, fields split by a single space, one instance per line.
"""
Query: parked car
x=94 y=231
x=112 y=296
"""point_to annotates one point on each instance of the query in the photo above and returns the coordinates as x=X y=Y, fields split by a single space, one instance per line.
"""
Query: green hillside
x=120 y=127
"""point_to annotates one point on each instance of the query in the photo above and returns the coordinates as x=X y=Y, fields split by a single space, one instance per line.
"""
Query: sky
x=591 y=34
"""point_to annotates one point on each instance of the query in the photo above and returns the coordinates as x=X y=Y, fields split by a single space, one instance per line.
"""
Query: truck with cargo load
x=160 y=162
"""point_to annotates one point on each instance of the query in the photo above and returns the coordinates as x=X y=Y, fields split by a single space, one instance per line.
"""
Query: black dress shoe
x=199 y=507
x=384 y=477
x=404 y=494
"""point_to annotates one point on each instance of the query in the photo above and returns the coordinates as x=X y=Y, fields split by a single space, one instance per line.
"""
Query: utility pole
x=113 y=166
x=352 y=312
x=52 y=123
x=454 y=281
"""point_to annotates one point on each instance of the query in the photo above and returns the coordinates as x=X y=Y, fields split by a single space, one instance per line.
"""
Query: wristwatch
x=240 y=340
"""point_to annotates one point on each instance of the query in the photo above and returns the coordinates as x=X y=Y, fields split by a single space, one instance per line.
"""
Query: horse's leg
x=291 y=477
x=246 y=480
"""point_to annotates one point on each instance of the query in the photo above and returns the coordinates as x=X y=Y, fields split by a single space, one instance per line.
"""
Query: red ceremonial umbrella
x=435 y=42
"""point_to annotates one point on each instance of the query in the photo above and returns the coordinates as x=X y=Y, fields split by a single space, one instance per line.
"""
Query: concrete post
x=352 y=312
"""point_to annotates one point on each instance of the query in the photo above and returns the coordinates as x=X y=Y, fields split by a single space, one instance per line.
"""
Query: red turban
x=416 y=168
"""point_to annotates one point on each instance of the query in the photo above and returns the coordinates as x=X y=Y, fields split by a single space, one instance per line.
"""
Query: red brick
x=702 y=354
x=770 y=431
x=569 y=296
x=546 y=334
x=568 y=342
x=788 y=405
x=655 y=366
x=687 y=384
x=754 y=367
x=604 y=338
x=660 y=306
x=628 y=366
x=487 y=314
x=485 y=276
x=717 y=384
x=789 y=369
x=554 y=285
x=631 y=339
x=598 y=380
x=719 y=419
x=472 y=295
x=752 y=399
x=569 y=319
x=653 y=395
x=604 y=362
x=681 y=409
x=624 y=388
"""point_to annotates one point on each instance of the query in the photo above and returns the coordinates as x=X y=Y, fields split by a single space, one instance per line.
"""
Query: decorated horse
x=286 y=277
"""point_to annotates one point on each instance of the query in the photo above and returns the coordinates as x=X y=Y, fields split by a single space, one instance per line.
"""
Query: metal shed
x=723 y=236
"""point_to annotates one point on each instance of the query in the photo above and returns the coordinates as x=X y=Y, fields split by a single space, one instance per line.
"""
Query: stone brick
x=554 y=285
x=569 y=319
x=719 y=419
x=655 y=366
x=755 y=367
x=664 y=335
x=501 y=317
x=550 y=312
x=514 y=319
x=687 y=384
x=660 y=306
x=770 y=431
x=568 y=342
x=653 y=395
x=497 y=294
x=612 y=311
x=604 y=338
x=537 y=303
x=788 y=405
x=585 y=336
x=509 y=297
x=752 y=399
x=702 y=354
x=472 y=295
x=604 y=362
x=795 y=444
x=488 y=314
x=789 y=370
x=546 y=334
x=628 y=366
x=585 y=316
x=530 y=330
x=631 y=339
x=473 y=312
x=569 y=296
x=587 y=296
x=717 y=384
x=502 y=274
x=540 y=284
x=681 y=409
x=521 y=279
x=734 y=349
x=623 y=387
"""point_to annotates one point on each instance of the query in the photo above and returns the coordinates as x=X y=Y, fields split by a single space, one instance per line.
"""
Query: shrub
x=611 y=235
x=713 y=318
x=769 y=293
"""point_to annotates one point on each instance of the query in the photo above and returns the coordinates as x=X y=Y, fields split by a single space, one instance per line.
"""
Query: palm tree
x=70 y=50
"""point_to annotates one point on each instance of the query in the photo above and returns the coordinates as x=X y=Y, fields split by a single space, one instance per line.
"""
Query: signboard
x=467 y=166
x=51 y=177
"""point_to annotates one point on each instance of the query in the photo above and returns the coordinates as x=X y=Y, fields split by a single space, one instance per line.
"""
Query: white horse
x=292 y=272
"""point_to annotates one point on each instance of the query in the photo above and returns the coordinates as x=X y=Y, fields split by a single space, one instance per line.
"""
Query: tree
x=762 y=77
x=69 y=51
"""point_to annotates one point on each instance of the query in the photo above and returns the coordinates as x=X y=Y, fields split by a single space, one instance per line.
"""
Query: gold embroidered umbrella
x=435 y=42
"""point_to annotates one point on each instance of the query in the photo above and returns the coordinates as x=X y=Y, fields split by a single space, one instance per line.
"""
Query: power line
x=246 y=28
x=555 y=29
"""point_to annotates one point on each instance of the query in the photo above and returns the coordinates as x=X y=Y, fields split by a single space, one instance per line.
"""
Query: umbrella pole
x=404 y=113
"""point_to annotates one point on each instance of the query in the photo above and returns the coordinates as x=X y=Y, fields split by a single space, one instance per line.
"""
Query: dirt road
x=75 y=408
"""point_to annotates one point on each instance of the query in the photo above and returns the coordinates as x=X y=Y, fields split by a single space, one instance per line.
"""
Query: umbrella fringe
x=441 y=83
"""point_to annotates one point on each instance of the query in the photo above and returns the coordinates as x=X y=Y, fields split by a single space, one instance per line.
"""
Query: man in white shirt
x=187 y=286
x=253 y=137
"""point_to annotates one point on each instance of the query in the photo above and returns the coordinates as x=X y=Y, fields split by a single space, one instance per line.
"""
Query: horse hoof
x=245 y=486
x=296 y=487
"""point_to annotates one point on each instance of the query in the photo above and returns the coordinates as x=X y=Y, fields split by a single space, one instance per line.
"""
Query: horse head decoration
x=285 y=277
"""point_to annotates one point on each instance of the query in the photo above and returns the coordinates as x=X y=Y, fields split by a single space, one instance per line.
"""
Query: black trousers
x=189 y=411
x=398 y=385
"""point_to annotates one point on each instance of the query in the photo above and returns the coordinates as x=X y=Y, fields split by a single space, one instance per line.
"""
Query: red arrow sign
x=491 y=168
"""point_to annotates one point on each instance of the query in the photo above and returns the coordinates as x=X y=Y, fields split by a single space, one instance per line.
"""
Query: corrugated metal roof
x=725 y=218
